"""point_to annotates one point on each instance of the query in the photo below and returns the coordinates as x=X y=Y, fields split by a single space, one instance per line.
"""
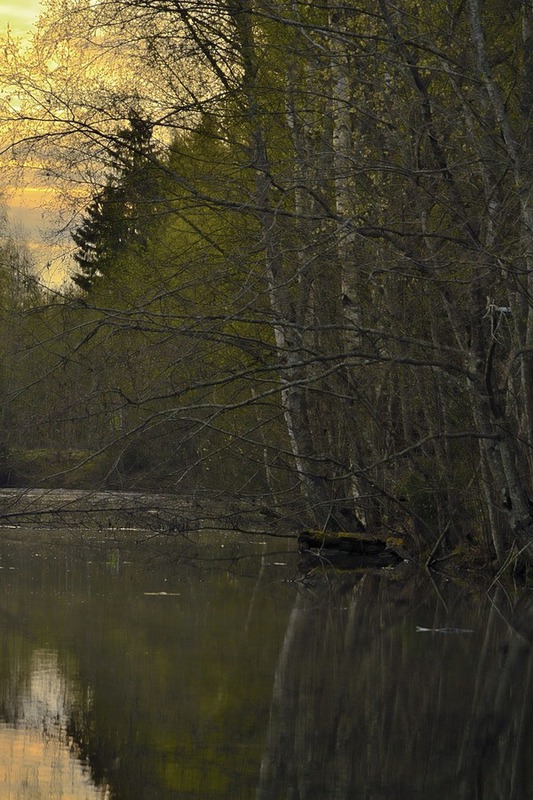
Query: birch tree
x=343 y=245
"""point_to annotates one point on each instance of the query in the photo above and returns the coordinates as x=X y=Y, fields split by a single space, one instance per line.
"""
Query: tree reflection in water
x=364 y=706
x=168 y=680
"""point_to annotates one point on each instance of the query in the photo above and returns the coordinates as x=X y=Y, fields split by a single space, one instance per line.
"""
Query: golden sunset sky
x=27 y=208
x=19 y=16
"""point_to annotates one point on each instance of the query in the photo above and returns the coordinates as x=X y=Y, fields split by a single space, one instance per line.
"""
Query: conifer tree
x=122 y=211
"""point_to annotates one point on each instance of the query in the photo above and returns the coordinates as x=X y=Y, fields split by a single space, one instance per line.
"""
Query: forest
x=299 y=241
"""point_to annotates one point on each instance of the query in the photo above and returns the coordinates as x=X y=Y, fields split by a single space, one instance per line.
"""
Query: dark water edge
x=207 y=666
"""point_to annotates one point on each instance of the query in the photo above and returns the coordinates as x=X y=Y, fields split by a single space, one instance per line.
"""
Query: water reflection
x=130 y=672
x=367 y=706
x=166 y=689
x=36 y=758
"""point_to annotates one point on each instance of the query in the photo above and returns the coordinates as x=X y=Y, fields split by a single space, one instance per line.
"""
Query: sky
x=26 y=209
x=19 y=16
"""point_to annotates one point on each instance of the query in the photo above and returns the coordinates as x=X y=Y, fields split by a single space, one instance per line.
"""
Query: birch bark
x=293 y=374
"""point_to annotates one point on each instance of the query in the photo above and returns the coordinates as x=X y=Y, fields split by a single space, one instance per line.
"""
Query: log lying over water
x=347 y=548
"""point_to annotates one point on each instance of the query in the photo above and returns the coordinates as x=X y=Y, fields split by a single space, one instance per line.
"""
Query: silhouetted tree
x=122 y=211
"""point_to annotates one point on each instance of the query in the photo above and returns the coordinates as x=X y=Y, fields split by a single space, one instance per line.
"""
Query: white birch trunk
x=293 y=373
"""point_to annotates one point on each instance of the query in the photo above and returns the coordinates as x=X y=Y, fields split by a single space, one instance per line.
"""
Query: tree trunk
x=293 y=374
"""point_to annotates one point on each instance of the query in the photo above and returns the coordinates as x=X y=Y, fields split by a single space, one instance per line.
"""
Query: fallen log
x=345 y=548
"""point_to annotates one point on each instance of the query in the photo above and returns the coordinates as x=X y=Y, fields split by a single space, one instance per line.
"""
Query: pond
x=160 y=669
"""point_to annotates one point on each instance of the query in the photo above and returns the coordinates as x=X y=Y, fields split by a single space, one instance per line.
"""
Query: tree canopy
x=303 y=260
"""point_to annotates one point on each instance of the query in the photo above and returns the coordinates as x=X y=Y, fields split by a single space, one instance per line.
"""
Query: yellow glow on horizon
x=27 y=195
x=30 y=212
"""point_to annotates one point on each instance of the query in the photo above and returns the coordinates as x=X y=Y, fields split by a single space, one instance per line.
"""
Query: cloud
x=19 y=16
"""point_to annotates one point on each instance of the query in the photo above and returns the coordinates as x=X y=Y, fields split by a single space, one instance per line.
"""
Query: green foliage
x=319 y=279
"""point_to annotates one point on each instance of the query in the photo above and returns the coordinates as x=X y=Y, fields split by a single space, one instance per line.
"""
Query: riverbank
x=152 y=512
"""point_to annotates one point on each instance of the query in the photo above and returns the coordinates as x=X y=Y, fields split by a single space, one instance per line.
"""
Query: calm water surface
x=154 y=671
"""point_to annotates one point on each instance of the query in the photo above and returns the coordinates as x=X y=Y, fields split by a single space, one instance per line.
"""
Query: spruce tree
x=122 y=211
